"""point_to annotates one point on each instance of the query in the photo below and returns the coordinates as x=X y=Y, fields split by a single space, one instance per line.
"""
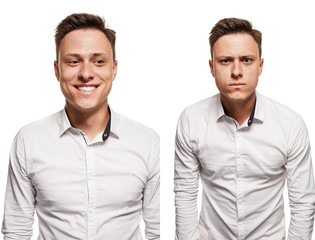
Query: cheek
x=253 y=75
x=66 y=77
x=104 y=73
x=221 y=75
x=66 y=91
x=68 y=74
x=220 y=83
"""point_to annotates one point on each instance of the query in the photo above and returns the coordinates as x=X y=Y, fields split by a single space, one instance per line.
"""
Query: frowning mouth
x=237 y=85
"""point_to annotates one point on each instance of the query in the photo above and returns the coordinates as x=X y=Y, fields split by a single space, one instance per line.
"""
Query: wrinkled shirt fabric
x=81 y=189
x=243 y=170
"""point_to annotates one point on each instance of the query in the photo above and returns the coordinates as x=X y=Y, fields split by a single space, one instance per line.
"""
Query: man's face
x=85 y=69
x=236 y=66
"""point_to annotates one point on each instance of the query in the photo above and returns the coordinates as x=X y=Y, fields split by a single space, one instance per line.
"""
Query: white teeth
x=86 y=89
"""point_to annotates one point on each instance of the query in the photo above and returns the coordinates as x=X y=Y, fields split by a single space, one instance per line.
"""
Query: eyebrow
x=248 y=56
x=76 y=55
x=71 y=55
x=100 y=54
x=242 y=56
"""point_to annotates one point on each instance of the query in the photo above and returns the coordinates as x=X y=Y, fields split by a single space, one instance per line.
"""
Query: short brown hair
x=233 y=25
x=83 y=21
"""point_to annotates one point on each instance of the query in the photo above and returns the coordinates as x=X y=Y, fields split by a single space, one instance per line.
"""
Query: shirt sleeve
x=20 y=197
x=300 y=182
x=151 y=196
x=186 y=182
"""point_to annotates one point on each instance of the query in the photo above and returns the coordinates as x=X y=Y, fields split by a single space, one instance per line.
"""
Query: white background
x=162 y=51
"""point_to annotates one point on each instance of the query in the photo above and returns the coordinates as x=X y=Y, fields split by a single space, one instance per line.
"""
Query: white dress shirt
x=243 y=171
x=97 y=190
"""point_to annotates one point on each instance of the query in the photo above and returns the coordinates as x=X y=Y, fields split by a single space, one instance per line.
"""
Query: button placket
x=239 y=178
x=91 y=192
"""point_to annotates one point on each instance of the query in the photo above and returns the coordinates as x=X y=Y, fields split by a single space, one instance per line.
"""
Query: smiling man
x=88 y=172
x=243 y=146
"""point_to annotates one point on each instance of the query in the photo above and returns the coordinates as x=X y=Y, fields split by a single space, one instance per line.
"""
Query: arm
x=186 y=180
x=151 y=196
x=20 y=197
x=300 y=181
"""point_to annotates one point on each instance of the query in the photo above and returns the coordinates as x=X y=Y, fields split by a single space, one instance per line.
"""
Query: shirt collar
x=219 y=107
x=257 y=113
x=64 y=122
x=106 y=132
x=112 y=128
x=115 y=121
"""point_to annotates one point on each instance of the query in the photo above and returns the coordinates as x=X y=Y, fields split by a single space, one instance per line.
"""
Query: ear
x=115 y=70
x=261 y=65
x=56 y=67
x=211 y=67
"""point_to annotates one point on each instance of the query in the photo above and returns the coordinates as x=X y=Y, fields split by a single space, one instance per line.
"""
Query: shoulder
x=137 y=138
x=202 y=106
x=274 y=107
x=278 y=113
x=199 y=113
x=281 y=116
x=41 y=127
x=133 y=129
x=32 y=134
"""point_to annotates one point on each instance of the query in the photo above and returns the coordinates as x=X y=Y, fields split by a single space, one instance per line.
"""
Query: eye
x=247 y=60
x=72 y=62
x=225 y=61
x=99 y=62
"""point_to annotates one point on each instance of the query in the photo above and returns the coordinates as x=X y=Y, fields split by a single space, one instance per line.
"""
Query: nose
x=236 y=72
x=86 y=72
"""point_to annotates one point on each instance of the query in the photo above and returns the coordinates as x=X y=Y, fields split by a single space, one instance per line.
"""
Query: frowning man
x=244 y=147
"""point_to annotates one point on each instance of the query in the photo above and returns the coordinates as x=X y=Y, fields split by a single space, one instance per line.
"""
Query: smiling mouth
x=86 y=89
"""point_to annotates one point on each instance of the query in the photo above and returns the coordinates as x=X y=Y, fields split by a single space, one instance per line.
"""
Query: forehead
x=235 y=44
x=85 y=40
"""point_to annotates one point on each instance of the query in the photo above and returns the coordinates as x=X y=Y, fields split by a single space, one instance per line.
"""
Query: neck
x=90 y=122
x=240 y=111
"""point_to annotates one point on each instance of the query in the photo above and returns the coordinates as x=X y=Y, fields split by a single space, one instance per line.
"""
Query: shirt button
x=105 y=134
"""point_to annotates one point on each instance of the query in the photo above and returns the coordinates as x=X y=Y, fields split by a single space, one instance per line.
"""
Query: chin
x=81 y=107
x=235 y=96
